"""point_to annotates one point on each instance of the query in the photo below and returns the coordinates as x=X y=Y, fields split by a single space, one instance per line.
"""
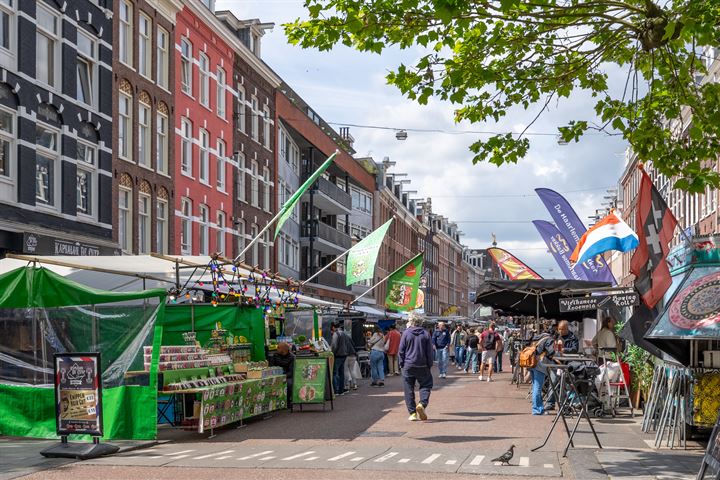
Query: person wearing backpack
x=488 y=340
x=543 y=351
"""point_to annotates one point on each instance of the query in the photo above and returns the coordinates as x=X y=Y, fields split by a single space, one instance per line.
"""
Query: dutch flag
x=610 y=233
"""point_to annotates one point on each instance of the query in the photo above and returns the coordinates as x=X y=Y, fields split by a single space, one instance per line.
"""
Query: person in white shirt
x=606 y=339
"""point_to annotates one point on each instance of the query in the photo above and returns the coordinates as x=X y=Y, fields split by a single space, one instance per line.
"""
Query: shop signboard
x=78 y=394
x=45 y=245
x=310 y=380
x=578 y=304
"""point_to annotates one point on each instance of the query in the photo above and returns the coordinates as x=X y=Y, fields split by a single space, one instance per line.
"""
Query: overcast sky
x=345 y=86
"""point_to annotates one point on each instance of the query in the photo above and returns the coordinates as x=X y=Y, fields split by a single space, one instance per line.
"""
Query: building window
x=86 y=68
x=220 y=162
x=186 y=164
x=266 y=127
x=161 y=153
x=163 y=58
x=220 y=85
x=47 y=46
x=145 y=46
x=161 y=224
x=144 y=150
x=125 y=42
x=255 y=114
x=204 y=157
x=253 y=260
x=220 y=240
x=241 y=109
x=85 y=169
x=240 y=187
x=204 y=229
x=361 y=201
x=254 y=192
x=47 y=158
x=186 y=227
x=7 y=25
x=124 y=125
x=186 y=66
x=266 y=250
x=241 y=238
x=204 y=80
x=266 y=192
x=144 y=212
x=7 y=143
x=125 y=219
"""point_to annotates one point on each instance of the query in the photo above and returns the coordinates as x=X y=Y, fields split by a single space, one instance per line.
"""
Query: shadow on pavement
x=461 y=438
x=482 y=414
x=637 y=463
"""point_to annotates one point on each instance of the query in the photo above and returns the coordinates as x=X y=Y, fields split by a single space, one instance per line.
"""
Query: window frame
x=242 y=107
x=241 y=238
x=204 y=160
x=221 y=94
x=54 y=156
x=254 y=185
x=266 y=128
x=221 y=225
x=144 y=135
x=89 y=168
x=220 y=162
x=126 y=230
x=144 y=223
x=10 y=137
x=204 y=80
x=55 y=39
x=186 y=240
x=162 y=143
x=267 y=184
x=240 y=187
x=254 y=249
x=186 y=63
x=91 y=62
x=162 y=62
x=126 y=26
x=8 y=57
x=204 y=223
x=254 y=124
x=186 y=147
x=125 y=148
x=145 y=64
x=162 y=242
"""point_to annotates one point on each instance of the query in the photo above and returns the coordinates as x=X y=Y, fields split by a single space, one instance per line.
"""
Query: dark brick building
x=55 y=127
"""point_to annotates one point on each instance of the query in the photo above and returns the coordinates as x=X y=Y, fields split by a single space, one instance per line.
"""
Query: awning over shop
x=692 y=313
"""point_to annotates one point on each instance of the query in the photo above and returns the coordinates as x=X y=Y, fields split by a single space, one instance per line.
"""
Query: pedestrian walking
x=488 y=340
x=415 y=355
x=499 y=348
x=472 y=342
x=352 y=367
x=544 y=351
x=457 y=345
x=392 y=342
x=338 y=345
x=441 y=342
x=377 y=358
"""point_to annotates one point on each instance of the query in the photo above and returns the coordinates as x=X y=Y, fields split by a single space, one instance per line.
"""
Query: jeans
x=553 y=380
x=421 y=375
x=472 y=360
x=393 y=364
x=460 y=356
x=377 y=371
x=498 y=362
x=442 y=359
x=538 y=378
x=339 y=375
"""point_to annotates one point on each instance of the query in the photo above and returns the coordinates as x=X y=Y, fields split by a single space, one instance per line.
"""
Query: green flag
x=362 y=257
x=289 y=205
x=402 y=287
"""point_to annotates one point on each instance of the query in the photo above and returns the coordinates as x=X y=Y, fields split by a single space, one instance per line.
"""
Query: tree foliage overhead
x=489 y=56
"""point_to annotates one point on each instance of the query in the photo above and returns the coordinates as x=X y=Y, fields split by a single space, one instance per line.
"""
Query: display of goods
x=240 y=352
x=219 y=359
x=175 y=357
x=180 y=365
x=705 y=399
x=264 y=372
x=174 y=349
x=205 y=382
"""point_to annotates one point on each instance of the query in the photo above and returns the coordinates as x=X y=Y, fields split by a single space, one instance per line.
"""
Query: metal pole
x=537 y=313
x=325 y=267
x=371 y=288
x=259 y=235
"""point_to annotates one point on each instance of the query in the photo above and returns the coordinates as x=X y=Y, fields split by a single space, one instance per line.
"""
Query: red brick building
x=204 y=132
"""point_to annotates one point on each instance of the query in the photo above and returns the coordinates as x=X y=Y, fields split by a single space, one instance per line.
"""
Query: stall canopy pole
x=371 y=288
x=325 y=267
x=537 y=313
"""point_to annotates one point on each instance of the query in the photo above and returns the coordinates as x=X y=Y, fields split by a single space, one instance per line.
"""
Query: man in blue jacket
x=416 y=358
x=441 y=341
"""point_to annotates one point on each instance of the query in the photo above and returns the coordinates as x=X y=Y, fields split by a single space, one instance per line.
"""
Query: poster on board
x=78 y=394
x=310 y=377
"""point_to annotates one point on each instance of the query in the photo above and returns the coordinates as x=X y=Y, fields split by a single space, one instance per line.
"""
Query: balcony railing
x=329 y=278
x=329 y=189
x=325 y=232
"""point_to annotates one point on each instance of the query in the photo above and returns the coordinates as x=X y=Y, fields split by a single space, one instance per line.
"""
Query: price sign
x=78 y=394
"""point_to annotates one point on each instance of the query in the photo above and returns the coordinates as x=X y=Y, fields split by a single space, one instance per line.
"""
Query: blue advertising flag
x=572 y=228
x=560 y=249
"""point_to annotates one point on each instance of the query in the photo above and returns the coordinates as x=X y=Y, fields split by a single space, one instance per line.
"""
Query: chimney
x=345 y=135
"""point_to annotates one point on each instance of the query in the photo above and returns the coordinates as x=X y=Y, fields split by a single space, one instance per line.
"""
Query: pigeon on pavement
x=505 y=458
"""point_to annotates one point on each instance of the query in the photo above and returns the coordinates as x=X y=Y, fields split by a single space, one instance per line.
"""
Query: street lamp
x=401 y=135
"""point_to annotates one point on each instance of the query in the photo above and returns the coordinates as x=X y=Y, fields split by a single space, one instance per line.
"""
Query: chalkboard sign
x=78 y=394
x=712 y=454
x=311 y=380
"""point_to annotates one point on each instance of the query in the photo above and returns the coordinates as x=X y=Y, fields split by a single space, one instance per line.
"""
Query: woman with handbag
x=377 y=358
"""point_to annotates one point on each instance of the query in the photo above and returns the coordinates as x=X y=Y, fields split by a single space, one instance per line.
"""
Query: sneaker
x=420 y=410
x=355 y=387
x=381 y=384
x=550 y=407
x=480 y=378
x=413 y=417
x=373 y=384
x=464 y=370
x=489 y=379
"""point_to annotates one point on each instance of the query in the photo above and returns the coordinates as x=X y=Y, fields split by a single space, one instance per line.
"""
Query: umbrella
x=692 y=313
x=534 y=297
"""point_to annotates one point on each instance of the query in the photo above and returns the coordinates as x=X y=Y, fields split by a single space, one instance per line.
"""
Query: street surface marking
x=431 y=458
x=451 y=462
x=477 y=460
x=386 y=457
x=213 y=454
x=311 y=458
x=335 y=459
x=548 y=465
x=178 y=453
x=293 y=457
x=264 y=459
x=248 y=457
x=356 y=459
x=178 y=457
x=225 y=457
x=524 y=461
x=404 y=460
x=154 y=457
x=497 y=464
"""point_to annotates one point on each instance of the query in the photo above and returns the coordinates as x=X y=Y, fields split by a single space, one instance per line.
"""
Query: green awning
x=38 y=287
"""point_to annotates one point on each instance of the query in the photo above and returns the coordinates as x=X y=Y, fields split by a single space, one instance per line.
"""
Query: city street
x=470 y=423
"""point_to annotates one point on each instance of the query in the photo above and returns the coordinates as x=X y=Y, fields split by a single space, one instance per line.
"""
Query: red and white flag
x=655 y=226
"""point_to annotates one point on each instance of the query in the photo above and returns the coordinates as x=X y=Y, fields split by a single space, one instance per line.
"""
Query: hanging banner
x=560 y=249
x=572 y=228
x=363 y=256
x=78 y=394
x=402 y=285
x=514 y=268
